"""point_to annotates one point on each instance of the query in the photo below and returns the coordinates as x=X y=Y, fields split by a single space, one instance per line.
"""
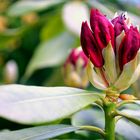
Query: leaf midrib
x=50 y=98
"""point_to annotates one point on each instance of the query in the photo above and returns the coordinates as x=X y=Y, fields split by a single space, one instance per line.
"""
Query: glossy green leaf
x=37 y=133
x=23 y=6
x=51 y=53
x=35 y=105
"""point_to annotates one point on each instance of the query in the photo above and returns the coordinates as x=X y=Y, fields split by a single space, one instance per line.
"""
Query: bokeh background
x=36 y=36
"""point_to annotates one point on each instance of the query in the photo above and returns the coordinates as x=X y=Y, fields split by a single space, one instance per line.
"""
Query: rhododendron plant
x=109 y=58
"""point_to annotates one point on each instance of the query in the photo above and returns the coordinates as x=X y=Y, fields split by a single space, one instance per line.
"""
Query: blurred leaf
x=34 y=105
x=25 y=6
x=9 y=35
x=51 y=53
x=51 y=28
x=129 y=130
x=38 y=133
x=74 y=13
x=56 y=79
x=134 y=18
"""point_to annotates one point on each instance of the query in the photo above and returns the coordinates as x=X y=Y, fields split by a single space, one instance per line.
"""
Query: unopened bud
x=112 y=46
x=127 y=97
x=75 y=69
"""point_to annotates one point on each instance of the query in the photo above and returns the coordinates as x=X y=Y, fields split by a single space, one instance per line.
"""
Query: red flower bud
x=119 y=24
x=90 y=46
x=117 y=57
x=102 y=28
x=129 y=46
x=75 y=55
x=74 y=69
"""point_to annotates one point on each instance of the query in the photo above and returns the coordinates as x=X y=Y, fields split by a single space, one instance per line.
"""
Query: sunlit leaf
x=38 y=133
x=34 y=105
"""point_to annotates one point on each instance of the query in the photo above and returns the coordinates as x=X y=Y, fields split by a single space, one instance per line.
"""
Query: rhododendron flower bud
x=115 y=62
x=75 y=69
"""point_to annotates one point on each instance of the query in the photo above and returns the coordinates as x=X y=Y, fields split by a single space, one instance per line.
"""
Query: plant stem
x=94 y=129
x=109 y=109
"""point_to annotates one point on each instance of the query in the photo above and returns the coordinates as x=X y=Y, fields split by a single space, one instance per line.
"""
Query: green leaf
x=51 y=28
x=22 y=7
x=37 y=133
x=9 y=35
x=51 y=53
x=35 y=105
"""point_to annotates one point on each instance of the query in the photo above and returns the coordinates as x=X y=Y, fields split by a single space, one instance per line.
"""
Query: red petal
x=74 y=56
x=119 y=24
x=102 y=28
x=90 y=47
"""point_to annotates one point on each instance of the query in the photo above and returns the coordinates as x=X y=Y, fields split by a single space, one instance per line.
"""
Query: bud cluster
x=112 y=47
